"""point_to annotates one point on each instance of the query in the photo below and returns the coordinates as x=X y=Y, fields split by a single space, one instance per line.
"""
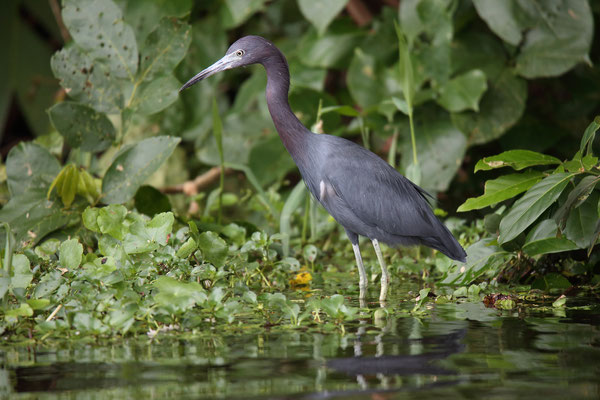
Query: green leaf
x=576 y=197
x=156 y=95
x=32 y=216
x=90 y=218
x=86 y=80
x=364 y=80
x=214 y=249
x=588 y=136
x=502 y=18
x=134 y=165
x=187 y=248
x=82 y=127
x=582 y=221
x=463 y=92
x=482 y=256
x=542 y=239
x=551 y=281
x=502 y=188
x=70 y=254
x=332 y=49
x=529 y=207
x=235 y=12
x=500 y=108
x=160 y=227
x=24 y=310
x=178 y=296
x=270 y=161
x=559 y=37
x=29 y=166
x=97 y=26
x=111 y=220
x=516 y=159
x=144 y=16
x=406 y=70
x=164 y=48
x=151 y=201
x=21 y=272
x=38 y=304
x=320 y=13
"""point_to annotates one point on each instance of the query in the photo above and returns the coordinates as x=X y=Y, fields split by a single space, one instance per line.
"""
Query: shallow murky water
x=455 y=351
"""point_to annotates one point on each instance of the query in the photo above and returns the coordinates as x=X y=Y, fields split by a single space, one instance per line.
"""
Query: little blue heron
x=360 y=190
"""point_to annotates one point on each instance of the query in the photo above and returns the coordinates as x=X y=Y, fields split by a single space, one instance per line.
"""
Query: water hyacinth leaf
x=581 y=224
x=111 y=220
x=97 y=26
x=516 y=159
x=463 y=92
x=29 y=166
x=500 y=108
x=164 y=48
x=86 y=80
x=502 y=188
x=160 y=227
x=320 y=13
x=533 y=203
x=70 y=254
x=82 y=126
x=134 y=165
x=150 y=201
x=156 y=95
x=214 y=249
x=21 y=272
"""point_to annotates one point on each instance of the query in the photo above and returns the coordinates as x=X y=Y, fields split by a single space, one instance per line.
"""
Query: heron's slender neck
x=290 y=129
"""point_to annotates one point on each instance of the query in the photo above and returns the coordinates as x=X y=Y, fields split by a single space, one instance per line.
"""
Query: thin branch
x=64 y=32
x=359 y=12
x=192 y=187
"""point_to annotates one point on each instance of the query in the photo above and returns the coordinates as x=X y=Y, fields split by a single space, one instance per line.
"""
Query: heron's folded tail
x=447 y=244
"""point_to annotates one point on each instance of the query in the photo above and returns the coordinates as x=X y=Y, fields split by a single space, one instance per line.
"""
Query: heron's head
x=245 y=51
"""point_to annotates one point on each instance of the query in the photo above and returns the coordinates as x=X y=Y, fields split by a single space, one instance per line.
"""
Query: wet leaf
x=82 y=127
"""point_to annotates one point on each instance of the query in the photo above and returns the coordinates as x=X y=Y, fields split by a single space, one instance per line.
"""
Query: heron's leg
x=362 y=283
x=385 y=276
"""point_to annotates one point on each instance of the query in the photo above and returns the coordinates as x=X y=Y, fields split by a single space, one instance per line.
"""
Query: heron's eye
x=239 y=53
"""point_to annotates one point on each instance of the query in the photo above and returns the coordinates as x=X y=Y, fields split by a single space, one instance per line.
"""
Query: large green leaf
x=332 y=49
x=86 y=80
x=440 y=146
x=577 y=196
x=582 y=221
x=516 y=159
x=144 y=15
x=82 y=126
x=156 y=95
x=235 y=12
x=553 y=35
x=71 y=253
x=533 y=203
x=29 y=166
x=97 y=26
x=500 y=108
x=589 y=135
x=178 y=296
x=543 y=239
x=133 y=166
x=32 y=216
x=463 y=92
x=364 y=80
x=502 y=188
x=270 y=161
x=320 y=13
x=481 y=256
x=164 y=48
x=476 y=50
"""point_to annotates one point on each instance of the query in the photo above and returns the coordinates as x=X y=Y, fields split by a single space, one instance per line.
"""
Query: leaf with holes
x=82 y=126
x=164 y=48
x=133 y=166
x=97 y=26
x=516 y=159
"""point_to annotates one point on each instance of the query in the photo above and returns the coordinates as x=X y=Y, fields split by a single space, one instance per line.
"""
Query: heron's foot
x=384 y=288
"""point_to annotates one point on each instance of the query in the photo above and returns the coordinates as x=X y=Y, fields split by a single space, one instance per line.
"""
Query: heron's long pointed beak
x=221 y=65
